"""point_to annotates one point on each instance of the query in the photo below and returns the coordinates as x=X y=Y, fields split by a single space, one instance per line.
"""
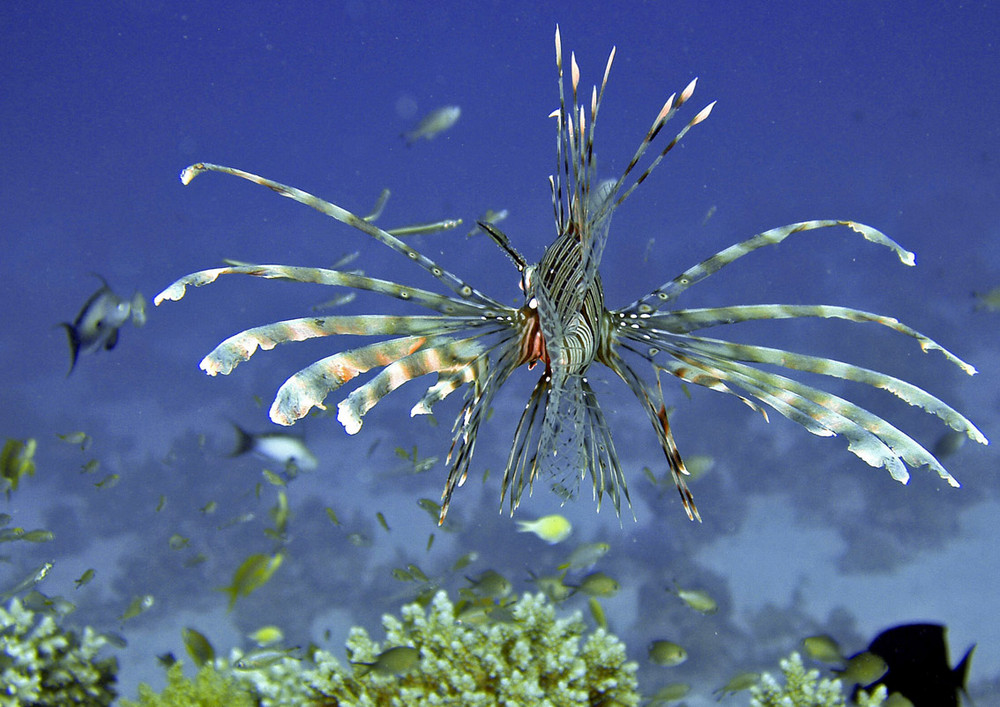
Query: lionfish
x=476 y=341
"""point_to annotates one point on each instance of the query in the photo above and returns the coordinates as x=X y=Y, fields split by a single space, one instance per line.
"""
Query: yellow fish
x=552 y=529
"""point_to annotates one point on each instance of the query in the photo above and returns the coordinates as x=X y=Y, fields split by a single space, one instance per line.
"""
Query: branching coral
x=804 y=688
x=531 y=658
x=208 y=689
x=42 y=664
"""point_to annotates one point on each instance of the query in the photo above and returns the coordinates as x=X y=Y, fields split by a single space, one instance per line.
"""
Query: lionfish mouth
x=475 y=342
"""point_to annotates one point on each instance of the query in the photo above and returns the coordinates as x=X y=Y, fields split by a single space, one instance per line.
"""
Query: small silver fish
x=280 y=447
x=53 y=606
x=138 y=605
x=97 y=324
x=438 y=120
x=261 y=658
x=30 y=581
x=698 y=599
x=338 y=301
x=584 y=556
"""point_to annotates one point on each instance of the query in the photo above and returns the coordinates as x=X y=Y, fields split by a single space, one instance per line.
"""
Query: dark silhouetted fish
x=919 y=668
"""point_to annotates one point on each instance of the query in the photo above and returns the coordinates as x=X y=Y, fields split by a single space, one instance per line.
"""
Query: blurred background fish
x=97 y=324
x=437 y=121
x=281 y=447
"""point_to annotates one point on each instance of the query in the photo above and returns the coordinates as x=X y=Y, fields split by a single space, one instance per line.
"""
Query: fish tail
x=244 y=441
x=137 y=308
x=74 y=345
x=961 y=671
x=362 y=669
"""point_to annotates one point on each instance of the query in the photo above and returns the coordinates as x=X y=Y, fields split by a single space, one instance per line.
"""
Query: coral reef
x=209 y=689
x=525 y=656
x=43 y=664
x=804 y=688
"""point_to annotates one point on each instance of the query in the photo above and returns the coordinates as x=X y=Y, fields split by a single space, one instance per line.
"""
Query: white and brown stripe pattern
x=478 y=342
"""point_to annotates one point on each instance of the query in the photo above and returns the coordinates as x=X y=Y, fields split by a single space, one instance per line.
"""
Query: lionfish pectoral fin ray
x=908 y=392
x=453 y=377
x=309 y=387
x=802 y=404
x=488 y=378
x=448 y=383
x=425 y=360
x=870 y=437
x=658 y=297
x=451 y=306
x=680 y=321
x=240 y=347
x=688 y=374
x=452 y=282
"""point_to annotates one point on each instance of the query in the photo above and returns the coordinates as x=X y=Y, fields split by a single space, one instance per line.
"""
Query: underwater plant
x=44 y=664
x=477 y=341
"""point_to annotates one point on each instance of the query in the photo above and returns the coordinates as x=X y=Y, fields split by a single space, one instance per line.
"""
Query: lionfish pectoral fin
x=309 y=387
x=449 y=380
x=449 y=280
x=436 y=354
x=670 y=290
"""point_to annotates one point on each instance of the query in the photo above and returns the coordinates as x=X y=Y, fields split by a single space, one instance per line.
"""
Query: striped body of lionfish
x=564 y=325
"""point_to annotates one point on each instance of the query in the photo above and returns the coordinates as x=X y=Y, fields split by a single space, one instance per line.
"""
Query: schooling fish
x=97 y=324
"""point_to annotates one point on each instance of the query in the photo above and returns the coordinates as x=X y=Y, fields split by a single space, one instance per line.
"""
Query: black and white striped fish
x=475 y=341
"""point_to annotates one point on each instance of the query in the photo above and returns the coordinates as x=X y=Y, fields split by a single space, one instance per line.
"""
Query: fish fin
x=362 y=669
x=244 y=441
x=74 y=345
x=138 y=308
x=961 y=671
x=104 y=283
x=112 y=340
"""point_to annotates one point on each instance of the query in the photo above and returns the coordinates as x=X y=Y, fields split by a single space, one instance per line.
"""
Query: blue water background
x=877 y=112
